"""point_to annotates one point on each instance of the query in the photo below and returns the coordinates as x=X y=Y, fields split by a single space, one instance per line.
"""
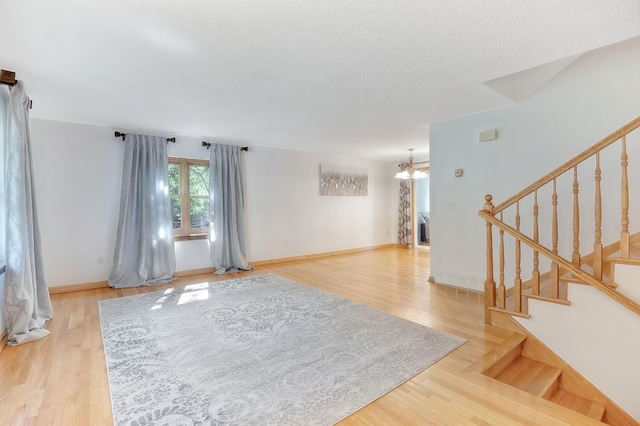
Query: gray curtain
x=227 y=244
x=27 y=302
x=144 y=252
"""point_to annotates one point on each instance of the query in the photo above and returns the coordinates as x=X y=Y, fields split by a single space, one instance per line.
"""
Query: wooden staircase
x=545 y=376
x=516 y=363
x=518 y=224
x=542 y=380
x=519 y=217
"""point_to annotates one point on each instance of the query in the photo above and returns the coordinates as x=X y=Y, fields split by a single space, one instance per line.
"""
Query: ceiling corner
x=522 y=84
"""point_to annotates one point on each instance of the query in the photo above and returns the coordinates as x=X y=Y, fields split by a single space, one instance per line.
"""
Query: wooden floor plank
x=62 y=379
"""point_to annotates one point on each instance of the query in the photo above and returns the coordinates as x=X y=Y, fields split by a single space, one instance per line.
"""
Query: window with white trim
x=189 y=190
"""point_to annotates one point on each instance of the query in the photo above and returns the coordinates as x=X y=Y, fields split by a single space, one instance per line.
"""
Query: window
x=189 y=189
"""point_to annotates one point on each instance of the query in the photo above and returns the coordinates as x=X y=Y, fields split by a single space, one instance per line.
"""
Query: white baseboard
x=318 y=255
x=210 y=270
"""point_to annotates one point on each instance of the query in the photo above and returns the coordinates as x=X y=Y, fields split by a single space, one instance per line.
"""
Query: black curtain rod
x=118 y=134
x=208 y=145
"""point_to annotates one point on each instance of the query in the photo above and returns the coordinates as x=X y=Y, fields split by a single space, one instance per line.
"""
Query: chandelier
x=408 y=171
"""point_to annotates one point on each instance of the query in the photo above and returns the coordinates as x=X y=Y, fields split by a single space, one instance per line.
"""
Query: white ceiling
x=361 y=77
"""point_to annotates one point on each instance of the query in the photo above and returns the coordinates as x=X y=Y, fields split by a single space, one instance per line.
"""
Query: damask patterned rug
x=259 y=350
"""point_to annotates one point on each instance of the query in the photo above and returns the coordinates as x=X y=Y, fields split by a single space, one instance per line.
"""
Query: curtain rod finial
x=8 y=77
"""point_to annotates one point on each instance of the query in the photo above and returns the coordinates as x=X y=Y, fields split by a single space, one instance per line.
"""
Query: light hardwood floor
x=62 y=379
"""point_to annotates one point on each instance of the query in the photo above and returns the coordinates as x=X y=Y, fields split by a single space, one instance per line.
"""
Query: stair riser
x=508 y=359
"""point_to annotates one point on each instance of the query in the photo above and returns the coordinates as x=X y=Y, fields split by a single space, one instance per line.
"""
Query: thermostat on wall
x=488 y=135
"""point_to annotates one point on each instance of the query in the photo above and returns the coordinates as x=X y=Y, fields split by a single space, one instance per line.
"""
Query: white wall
x=286 y=216
x=78 y=174
x=422 y=195
x=594 y=96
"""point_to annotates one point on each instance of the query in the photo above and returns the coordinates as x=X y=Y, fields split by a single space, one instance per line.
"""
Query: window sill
x=190 y=237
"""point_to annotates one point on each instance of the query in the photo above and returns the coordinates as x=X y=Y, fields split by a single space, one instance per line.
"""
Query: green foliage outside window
x=174 y=179
x=190 y=202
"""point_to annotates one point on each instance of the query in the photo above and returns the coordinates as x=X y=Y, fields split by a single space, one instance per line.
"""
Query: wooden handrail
x=618 y=134
x=560 y=261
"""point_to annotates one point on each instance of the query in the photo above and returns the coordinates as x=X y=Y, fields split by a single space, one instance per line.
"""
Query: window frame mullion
x=184 y=197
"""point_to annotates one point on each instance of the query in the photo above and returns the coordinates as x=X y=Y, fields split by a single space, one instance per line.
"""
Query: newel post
x=489 y=284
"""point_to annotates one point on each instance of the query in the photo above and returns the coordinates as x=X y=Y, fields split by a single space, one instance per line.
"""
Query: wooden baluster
x=501 y=288
x=624 y=231
x=517 y=282
x=535 y=275
x=597 y=245
x=575 y=258
x=555 y=269
x=489 y=284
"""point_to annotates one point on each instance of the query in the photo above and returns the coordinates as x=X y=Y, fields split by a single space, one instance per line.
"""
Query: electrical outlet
x=100 y=261
x=286 y=242
x=438 y=258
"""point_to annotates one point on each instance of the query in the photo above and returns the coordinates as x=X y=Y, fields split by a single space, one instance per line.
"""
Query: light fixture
x=408 y=171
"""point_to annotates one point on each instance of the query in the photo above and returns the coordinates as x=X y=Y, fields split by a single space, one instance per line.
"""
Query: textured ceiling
x=360 y=77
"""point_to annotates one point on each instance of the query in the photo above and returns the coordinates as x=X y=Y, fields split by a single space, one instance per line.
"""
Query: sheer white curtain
x=144 y=252
x=227 y=239
x=27 y=302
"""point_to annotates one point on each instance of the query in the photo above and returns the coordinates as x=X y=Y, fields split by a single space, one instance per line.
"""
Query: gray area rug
x=259 y=350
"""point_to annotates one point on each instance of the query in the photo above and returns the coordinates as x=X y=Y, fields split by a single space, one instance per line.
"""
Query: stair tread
x=500 y=357
x=548 y=299
x=545 y=288
x=530 y=375
x=545 y=291
x=571 y=279
x=592 y=409
x=628 y=261
x=634 y=251
x=568 y=277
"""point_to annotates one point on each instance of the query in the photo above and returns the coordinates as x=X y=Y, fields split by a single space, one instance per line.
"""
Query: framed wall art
x=343 y=181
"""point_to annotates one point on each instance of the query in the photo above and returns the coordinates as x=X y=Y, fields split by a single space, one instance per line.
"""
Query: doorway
x=420 y=210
